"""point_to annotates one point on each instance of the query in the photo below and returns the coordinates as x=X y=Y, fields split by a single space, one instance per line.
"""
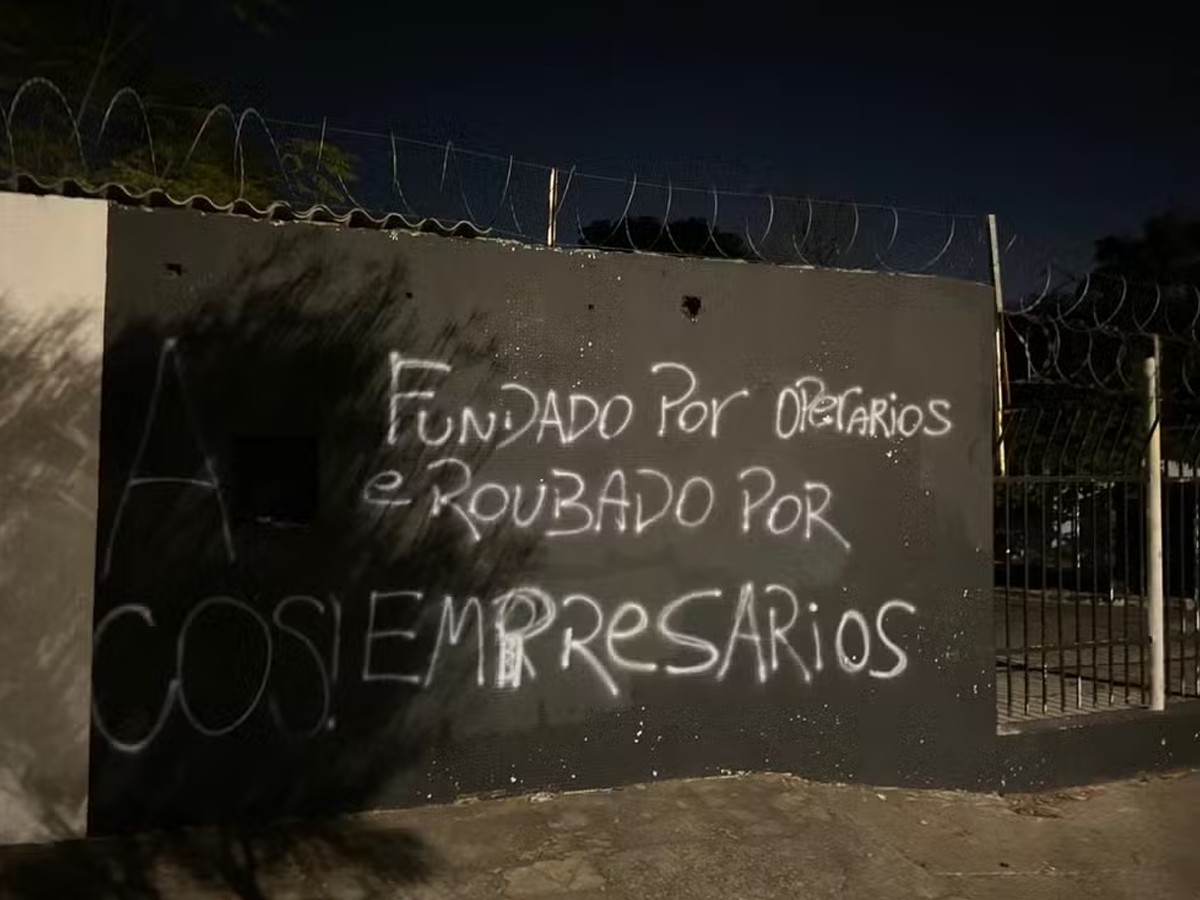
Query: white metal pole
x=1000 y=360
x=1154 y=534
x=552 y=221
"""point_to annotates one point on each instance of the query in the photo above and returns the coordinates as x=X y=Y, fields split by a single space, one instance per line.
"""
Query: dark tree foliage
x=689 y=237
x=91 y=51
x=1167 y=251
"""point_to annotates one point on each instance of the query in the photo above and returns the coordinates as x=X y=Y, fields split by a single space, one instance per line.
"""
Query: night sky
x=1069 y=125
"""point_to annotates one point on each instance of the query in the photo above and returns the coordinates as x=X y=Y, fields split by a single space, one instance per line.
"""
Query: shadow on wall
x=49 y=405
x=235 y=560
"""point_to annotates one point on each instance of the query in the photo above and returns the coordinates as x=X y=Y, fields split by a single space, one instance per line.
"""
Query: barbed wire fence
x=243 y=160
x=1062 y=324
x=1073 y=326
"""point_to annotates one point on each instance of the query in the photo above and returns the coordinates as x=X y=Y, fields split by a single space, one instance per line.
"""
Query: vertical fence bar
x=1078 y=568
x=1025 y=489
x=1001 y=362
x=1143 y=594
x=1181 y=556
x=1058 y=565
x=552 y=219
x=1195 y=485
x=1094 y=488
x=1095 y=596
x=1116 y=524
x=1008 y=592
x=1077 y=553
x=1154 y=535
x=1125 y=583
x=1042 y=642
x=1110 y=564
x=1181 y=596
x=1168 y=559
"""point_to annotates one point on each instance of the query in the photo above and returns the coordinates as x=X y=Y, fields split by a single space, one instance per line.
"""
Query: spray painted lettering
x=525 y=635
x=511 y=641
x=626 y=501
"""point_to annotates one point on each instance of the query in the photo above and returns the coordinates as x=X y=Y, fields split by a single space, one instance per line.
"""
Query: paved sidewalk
x=759 y=836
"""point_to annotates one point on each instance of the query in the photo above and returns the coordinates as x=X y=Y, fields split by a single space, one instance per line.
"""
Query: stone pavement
x=754 y=836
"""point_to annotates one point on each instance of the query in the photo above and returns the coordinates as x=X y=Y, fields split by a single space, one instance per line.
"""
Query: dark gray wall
x=1098 y=747
x=245 y=524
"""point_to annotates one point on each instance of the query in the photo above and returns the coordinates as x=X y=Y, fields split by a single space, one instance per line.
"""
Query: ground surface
x=761 y=836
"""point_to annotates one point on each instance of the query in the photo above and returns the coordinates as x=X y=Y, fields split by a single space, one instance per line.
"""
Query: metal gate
x=1070 y=559
x=1071 y=495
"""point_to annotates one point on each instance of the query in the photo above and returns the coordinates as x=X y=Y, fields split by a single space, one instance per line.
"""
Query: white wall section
x=53 y=256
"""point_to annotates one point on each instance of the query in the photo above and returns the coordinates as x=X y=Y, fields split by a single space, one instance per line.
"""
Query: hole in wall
x=690 y=306
x=174 y=269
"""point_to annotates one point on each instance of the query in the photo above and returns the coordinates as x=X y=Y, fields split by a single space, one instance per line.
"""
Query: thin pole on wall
x=1154 y=532
x=552 y=221
x=1001 y=362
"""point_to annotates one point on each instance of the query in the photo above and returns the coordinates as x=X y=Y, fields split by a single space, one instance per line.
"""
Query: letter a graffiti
x=168 y=356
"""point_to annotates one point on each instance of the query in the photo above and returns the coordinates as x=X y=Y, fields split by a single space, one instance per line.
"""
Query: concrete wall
x=301 y=599
x=273 y=630
x=52 y=277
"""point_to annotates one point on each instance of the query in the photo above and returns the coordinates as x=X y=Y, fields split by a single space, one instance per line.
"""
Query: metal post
x=1001 y=362
x=1154 y=535
x=552 y=221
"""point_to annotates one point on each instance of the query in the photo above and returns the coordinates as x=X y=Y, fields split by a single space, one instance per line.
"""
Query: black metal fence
x=1069 y=559
x=1071 y=514
x=1181 y=568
